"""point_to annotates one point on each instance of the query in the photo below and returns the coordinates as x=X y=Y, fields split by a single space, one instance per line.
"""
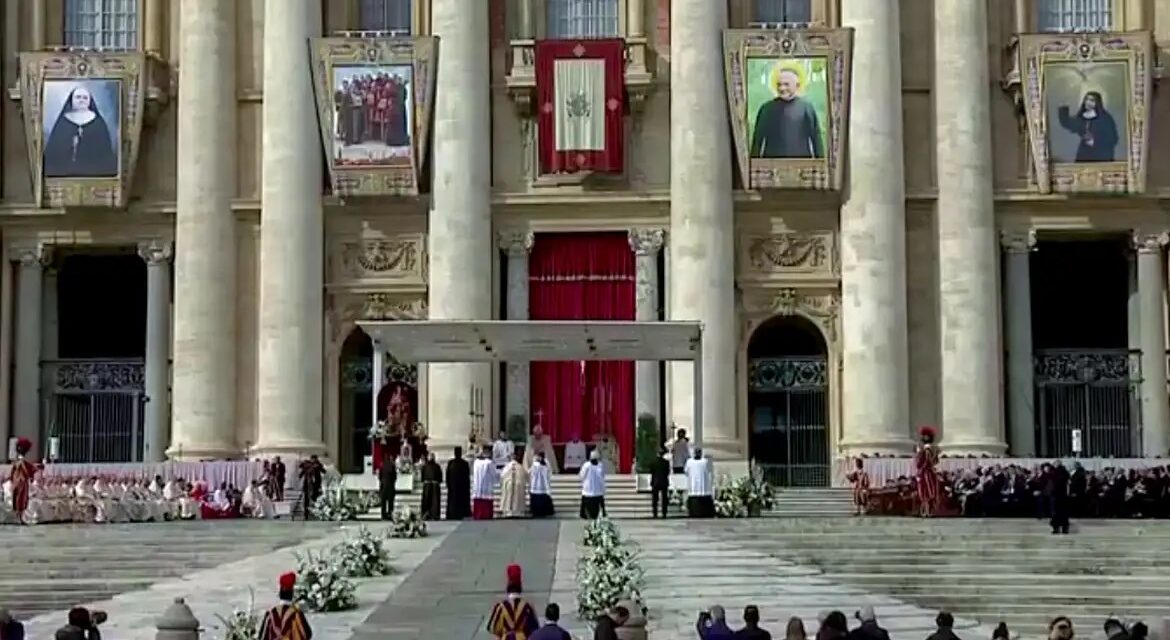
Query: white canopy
x=535 y=341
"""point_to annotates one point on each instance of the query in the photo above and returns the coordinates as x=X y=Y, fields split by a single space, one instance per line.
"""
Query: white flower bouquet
x=608 y=571
x=362 y=556
x=381 y=431
x=321 y=585
x=404 y=466
x=744 y=497
x=405 y=523
x=242 y=624
x=336 y=505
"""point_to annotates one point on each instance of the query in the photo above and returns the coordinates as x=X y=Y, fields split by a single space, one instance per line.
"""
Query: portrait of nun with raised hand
x=82 y=127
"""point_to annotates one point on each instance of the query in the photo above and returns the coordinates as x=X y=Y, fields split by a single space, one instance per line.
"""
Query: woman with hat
x=513 y=618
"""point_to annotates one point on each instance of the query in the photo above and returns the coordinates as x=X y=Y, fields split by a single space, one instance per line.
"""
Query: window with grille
x=102 y=24
x=1074 y=15
x=582 y=18
x=387 y=15
x=776 y=11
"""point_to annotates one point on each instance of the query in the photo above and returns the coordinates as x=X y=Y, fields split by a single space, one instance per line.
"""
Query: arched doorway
x=356 y=402
x=788 y=401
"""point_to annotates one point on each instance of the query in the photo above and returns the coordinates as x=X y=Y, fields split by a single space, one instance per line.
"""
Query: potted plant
x=646 y=447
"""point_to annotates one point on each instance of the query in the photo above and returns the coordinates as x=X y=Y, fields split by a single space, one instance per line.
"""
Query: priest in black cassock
x=458 y=487
x=432 y=480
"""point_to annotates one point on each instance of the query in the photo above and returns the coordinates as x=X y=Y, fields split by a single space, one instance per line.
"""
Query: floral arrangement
x=608 y=571
x=242 y=624
x=322 y=585
x=362 y=556
x=381 y=431
x=746 y=496
x=677 y=498
x=404 y=466
x=405 y=522
x=336 y=505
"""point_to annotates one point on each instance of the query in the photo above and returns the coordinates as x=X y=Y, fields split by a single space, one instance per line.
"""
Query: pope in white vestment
x=513 y=485
x=539 y=442
x=700 y=487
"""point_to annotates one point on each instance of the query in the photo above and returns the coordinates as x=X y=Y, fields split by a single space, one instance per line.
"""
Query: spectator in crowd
x=10 y=628
x=1001 y=632
x=1115 y=629
x=946 y=627
x=751 y=626
x=834 y=626
x=795 y=630
x=552 y=629
x=868 y=629
x=712 y=624
x=1061 y=628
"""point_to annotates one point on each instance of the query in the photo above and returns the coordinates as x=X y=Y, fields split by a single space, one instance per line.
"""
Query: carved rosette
x=1018 y=240
x=516 y=244
x=820 y=307
x=647 y=242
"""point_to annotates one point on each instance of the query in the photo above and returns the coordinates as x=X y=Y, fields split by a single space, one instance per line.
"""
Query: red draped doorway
x=583 y=276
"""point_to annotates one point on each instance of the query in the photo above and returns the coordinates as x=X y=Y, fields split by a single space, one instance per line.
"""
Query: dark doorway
x=1086 y=378
x=788 y=402
x=356 y=410
x=93 y=388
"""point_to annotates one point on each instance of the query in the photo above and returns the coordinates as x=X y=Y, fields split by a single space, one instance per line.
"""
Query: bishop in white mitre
x=540 y=442
x=513 y=489
x=483 y=486
x=700 y=486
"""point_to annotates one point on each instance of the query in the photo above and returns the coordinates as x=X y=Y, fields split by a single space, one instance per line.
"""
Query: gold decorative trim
x=419 y=53
x=1135 y=50
x=836 y=47
x=129 y=71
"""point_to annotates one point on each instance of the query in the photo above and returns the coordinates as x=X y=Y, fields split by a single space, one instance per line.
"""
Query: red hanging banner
x=580 y=97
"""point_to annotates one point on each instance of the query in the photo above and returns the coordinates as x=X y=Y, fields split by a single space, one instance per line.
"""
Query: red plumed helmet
x=288 y=581
x=928 y=431
x=514 y=574
x=23 y=445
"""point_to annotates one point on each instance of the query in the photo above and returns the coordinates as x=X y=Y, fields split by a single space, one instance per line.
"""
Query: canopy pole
x=697 y=401
x=376 y=379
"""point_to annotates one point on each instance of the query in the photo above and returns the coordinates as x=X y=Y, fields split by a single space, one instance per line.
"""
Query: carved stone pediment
x=761 y=67
x=376 y=151
x=83 y=117
x=820 y=307
x=389 y=306
x=1056 y=75
x=346 y=308
x=784 y=254
x=399 y=258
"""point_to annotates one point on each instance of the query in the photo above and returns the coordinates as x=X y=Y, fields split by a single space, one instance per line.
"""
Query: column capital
x=156 y=251
x=33 y=255
x=1018 y=240
x=1147 y=242
x=516 y=244
x=647 y=242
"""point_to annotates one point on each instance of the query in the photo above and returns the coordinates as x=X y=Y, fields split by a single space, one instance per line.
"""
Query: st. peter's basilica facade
x=885 y=214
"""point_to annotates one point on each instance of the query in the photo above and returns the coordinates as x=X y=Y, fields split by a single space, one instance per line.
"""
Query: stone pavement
x=450 y=595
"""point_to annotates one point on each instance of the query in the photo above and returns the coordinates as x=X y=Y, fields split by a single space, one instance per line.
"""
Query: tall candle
x=470 y=399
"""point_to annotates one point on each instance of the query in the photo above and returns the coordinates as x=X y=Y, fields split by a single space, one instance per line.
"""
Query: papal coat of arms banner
x=580 y=105
x=788 y=91
x=1086 y=104
x=83 y=115
x=374 y=102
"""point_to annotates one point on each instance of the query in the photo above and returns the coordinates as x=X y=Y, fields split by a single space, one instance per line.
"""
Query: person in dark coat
x=1057 y=490
x=432 y=481
x=605 y=627
x=458 y=487
x=946 y=627
x=868 y=629
x=387 y=487
x=660 y=483
x=10 y=628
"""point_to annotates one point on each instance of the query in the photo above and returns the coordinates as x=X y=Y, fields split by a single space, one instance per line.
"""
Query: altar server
x=592 y=477
x=700 y=489
x=483 y=485
x=539 y=488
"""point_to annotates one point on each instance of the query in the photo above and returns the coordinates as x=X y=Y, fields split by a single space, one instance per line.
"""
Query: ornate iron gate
x=788 y=402
x=94 y=409
x=1095 y=394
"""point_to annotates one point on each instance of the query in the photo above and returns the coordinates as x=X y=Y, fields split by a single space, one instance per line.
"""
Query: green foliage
x=517 y=428
x=646 y=443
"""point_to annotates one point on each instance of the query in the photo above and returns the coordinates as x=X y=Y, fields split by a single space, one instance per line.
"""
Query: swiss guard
x=21 y=476
x=286 y=621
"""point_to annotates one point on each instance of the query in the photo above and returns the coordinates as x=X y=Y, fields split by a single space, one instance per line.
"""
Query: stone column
x=517 y=246
x=26 y=386
x=157 y=372
x=1152 y=291
x=635 y=19
x=972 y=400
x=204 y=385
x=874 y=380
x=525 y=29
x=1017 y=282
x=460 y=223
x=702 y=221
x=292 y=239
x=646 y=243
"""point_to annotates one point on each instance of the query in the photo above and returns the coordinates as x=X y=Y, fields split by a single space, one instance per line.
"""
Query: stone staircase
x=812 y=503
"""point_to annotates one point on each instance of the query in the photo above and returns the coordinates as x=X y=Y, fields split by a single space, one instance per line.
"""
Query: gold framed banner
x=788 y=91
x=1086 y=104
x=374 y=103
x=83 y=113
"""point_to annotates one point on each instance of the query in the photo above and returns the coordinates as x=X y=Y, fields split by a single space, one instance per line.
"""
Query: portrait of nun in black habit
x=79 y=144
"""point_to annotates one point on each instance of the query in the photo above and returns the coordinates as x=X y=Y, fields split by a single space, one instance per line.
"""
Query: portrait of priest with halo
x=540 y=442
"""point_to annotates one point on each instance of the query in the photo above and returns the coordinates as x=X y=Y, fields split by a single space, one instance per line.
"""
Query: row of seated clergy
x=111 y=500
x=576 y=453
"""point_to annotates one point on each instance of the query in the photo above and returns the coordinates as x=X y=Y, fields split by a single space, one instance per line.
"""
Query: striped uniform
x=512 y=619
x=925 y=462
x=285 y=622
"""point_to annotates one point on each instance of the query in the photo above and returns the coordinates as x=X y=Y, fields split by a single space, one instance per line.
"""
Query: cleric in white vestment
x=540 y=502
x=592 y=477
x=513 y=485
x=700 y=487
x=483 y=486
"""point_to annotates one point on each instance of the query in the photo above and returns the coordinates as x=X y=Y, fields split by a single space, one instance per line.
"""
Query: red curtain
x=553 y=160
x=583 y=276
